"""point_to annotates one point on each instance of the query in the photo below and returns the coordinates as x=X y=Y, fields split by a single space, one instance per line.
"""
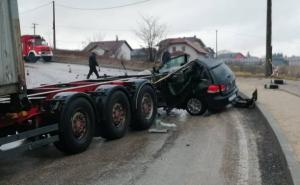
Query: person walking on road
x=93 y=64
x=166 y=57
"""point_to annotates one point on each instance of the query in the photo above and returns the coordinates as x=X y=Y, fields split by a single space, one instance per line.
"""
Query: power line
x=36 y=8
x=69 y=41
x=104 y=8
x=91 y=28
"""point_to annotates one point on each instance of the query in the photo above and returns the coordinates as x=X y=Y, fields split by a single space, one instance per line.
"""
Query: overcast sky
x=240 y=23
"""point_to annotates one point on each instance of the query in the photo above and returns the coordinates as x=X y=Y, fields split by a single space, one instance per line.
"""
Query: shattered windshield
x=173 y=64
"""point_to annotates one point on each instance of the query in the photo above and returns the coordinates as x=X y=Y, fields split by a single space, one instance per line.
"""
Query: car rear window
x=221 y=73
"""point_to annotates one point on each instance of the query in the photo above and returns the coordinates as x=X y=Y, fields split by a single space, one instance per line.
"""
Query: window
x=183 y=48
x=174 y=48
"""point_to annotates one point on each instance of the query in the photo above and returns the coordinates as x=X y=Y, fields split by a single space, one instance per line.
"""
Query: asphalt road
x=231 y=147
x=215 y=149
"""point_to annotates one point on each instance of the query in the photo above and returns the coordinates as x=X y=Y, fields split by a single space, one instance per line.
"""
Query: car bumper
x=219 y=101
x=44 y=54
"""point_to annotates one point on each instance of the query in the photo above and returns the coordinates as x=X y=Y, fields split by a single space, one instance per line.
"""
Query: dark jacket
x=166 y=57
x=93 y=61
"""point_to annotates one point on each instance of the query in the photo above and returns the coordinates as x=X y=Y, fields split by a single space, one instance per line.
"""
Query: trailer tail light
x=212 y=89
x=18 y=115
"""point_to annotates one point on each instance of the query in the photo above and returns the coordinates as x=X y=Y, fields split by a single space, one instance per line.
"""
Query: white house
x=192 y=46
x=119 y=49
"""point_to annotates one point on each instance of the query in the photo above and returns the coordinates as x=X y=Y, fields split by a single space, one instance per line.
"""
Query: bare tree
x=150 y=32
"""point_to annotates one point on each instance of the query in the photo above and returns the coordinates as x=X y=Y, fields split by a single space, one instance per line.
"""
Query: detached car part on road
x=196 y=86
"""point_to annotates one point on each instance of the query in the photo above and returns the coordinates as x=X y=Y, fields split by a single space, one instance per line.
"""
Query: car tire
x=146 y=111
x=26 y=59
x=32 y=58
x=117 y=116
x=195 y=106
x=279 y=82
x=76 y=126
x=271 y=86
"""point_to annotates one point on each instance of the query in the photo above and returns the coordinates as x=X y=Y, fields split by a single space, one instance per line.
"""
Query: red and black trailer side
x=71 y=114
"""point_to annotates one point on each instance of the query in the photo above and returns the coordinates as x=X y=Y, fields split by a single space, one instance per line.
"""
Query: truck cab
x=35 y=47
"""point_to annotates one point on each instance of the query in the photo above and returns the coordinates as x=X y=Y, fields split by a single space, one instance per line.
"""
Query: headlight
x=39 y=52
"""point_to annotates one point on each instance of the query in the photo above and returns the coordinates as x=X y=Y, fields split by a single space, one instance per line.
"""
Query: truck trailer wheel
x=146 y=109
x=47 y=59
x=117 y=116
x=76 y=127
x=196 y=106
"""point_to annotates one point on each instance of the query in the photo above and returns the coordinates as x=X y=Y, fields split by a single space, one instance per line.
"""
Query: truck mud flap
x=242 y=102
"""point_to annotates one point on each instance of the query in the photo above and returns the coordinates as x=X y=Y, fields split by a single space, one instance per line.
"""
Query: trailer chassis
x=98 y=106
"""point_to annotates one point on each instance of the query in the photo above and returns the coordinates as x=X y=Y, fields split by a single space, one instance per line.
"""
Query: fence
x=79 y=57
x=256 y=67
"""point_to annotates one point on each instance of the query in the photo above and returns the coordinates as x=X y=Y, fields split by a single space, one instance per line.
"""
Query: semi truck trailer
x=67 y=114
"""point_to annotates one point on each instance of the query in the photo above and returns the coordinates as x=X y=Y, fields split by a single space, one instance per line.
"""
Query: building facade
x=112 y=49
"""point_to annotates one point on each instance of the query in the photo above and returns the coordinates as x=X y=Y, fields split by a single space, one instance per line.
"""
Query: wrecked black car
x=195 y=86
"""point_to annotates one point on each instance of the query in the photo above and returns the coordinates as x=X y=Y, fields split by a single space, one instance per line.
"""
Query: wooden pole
x=268 y=65
x=54 y=29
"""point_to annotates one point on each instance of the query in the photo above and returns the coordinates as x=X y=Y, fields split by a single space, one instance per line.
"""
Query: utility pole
x=54 y=30
x=34 y=27
x=216 y=43
x=268 y=65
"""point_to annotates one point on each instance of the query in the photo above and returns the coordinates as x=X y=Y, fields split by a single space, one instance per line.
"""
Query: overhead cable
x=103 y=8
x=36 y=8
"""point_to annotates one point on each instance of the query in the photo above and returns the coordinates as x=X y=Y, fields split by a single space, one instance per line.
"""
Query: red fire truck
x=35 y=47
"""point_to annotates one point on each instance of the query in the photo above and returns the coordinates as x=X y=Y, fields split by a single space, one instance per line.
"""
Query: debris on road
x=278 y=82
x=271 y=86
x=241 y=102
x=274 y=84
x=161 y=127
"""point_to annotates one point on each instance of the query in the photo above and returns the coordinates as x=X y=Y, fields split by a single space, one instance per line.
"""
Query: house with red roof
x=119 y=49
x=192 y=46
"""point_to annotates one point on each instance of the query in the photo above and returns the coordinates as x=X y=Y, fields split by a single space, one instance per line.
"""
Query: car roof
x=209 y=62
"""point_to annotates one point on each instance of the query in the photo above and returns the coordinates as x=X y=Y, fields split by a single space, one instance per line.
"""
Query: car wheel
x=117 y=116
x=196 y=106
x=32 y=58
x=146 y=109
x=26 y=59
x=76 y=127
